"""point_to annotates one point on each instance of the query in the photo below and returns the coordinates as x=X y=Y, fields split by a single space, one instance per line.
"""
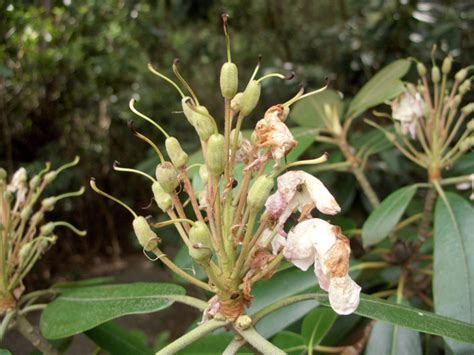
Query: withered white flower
x=298 y=190
x=315 y=241
x=19 y=185
x=408 y=108
x=272 y=133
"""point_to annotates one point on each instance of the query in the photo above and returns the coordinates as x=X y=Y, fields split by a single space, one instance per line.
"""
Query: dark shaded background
x=69 y=68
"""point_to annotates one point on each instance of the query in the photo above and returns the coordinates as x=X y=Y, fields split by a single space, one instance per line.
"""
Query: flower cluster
x=234 y=228
x=25 y=235
x=434 y=116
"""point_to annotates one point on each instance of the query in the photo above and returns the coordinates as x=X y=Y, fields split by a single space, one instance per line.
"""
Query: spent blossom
x=298 y=190
x=407 y=109
x=317 y=242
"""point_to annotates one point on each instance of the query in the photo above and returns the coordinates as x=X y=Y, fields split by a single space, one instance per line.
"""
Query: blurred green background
x=69 y=68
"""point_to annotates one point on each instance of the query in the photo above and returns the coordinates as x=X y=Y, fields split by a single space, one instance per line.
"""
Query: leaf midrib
x=108 y=299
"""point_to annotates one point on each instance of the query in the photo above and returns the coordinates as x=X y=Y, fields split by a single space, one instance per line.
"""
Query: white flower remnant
x=315 y=241
x=407 y=109
x=298 y=190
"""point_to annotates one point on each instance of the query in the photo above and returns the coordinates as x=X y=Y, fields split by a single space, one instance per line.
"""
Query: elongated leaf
x=78 y=310
x=287 y=341
x=284 y=317
x=382 y=220
x=309 y=112
x=118 y=341
x=453 y=276
x=409 y=317
x=316 y=325
x=385 y=85
x=387 y=338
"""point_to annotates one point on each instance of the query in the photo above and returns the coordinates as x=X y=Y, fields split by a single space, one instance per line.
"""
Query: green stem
x=259 y=342
x=25 y=328
x=173 y=267
x=234 y=346
x=190 y=337
x=245 y=246
x=358 y=173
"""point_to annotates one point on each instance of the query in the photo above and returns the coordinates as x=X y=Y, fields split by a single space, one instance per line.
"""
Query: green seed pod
x=229 y=80
x=243 y=322
x=470 y=125
x=236 y=102
x=34 y=182
x=162 y=198
x=259 y=192
x=167 y=176
x=435 y=74
x=200 y=239
x=467 y=144
x=48 y=203
x=24 y=252
x=465 y=87
x=3 y=174
x=250 y=97
x=47 y=229
x=203 y=123
x=37 y=217
x=469 y=108
x=215 y=154
x=421 y=68
x=177 y=155
x=457 y=100
x=447 y=65
x=146 y=237
x=26 y=213
x=50 y=177
x=188 y=112
x=461 y=75
x=203 y=174
x=239 y=139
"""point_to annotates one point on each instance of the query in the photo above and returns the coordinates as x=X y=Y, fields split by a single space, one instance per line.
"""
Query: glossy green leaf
x=382 y=220
x=409 y=317
x=317 y=324
x=5 y=352
x=384 y=85
x=291 y=343
x=453 y=270
x=81 y=309
x=118 y=341
x=283 y=284
x=309 y=112
x=387 y=338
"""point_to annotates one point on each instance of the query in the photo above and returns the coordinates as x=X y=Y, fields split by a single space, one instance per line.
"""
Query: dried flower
x=272 y=133
x=315 y=241
x=407 y=109
x=298 y=190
